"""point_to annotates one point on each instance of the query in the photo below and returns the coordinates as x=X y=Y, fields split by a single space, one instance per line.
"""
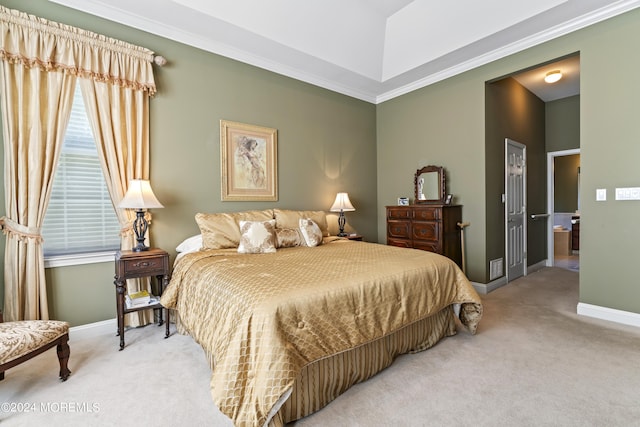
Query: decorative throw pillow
x=222 y=230
x=290 y=219
x=289 y=238
x=311 y=232
x=257 y=237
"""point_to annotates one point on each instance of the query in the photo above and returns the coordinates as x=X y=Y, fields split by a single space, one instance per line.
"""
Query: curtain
x=36 y=106
x=39 y=61
x=123 y=147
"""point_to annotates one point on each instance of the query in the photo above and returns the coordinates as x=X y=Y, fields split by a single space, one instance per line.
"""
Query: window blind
x=80 y=217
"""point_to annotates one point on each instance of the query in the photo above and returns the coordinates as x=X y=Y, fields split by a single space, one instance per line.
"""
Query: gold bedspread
x=262 y=317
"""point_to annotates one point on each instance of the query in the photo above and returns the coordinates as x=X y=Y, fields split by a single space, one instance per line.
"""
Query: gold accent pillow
x=289 y=238
x=290 y=219
x=257 y=237
x=311 y=232
x=222 y=230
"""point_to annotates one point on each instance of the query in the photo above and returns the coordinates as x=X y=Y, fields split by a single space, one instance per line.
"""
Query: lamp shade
x=342 y=203
x=139 y=196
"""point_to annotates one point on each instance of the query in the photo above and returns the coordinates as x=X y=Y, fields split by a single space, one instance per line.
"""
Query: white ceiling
x=373 y=50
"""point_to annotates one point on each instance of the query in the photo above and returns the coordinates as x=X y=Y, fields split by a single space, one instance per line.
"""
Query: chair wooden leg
x=63 y=356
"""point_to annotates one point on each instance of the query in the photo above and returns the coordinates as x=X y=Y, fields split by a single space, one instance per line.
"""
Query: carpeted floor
x=533 y=362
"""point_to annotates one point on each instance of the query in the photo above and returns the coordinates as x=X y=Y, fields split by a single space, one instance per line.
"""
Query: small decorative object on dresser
x=132 y=265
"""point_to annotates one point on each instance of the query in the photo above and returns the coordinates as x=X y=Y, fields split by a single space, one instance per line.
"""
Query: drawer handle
x=141 y=264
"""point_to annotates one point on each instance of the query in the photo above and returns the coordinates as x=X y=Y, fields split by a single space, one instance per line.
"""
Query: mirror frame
x=442 y=190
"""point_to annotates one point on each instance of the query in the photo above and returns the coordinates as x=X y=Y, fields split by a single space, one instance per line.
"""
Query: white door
x=515 y=209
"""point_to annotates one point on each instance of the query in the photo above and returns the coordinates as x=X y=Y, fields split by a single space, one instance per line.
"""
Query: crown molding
x=528 y=42
x=110 y=12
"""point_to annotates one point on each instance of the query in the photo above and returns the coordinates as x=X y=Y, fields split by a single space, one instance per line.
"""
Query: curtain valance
x=37 y=42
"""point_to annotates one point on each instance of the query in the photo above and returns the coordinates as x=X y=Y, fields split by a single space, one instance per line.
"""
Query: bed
x=288 y=329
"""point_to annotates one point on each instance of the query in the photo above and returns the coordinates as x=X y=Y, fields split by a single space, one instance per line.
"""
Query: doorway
x=563 y=228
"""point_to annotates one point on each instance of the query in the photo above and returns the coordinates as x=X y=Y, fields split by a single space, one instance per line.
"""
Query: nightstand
x=132 y=265
x=357 y=237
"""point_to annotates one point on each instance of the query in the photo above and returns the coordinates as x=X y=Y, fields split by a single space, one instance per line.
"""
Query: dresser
x=427 y=227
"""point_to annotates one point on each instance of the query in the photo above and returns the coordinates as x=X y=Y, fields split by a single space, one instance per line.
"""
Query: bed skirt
x=324 y=380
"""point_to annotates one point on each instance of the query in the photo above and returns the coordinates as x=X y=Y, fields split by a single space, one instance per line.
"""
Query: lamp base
x=140 y=226
x=140 y=248
x=341 y=222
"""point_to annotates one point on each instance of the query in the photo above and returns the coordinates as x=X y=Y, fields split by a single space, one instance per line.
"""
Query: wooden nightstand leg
x=165 y=283
x=161 y=284
x=120 y=290
x=166 y=335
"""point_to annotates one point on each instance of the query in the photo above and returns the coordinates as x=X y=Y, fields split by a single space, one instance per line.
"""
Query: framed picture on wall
x=249 y=163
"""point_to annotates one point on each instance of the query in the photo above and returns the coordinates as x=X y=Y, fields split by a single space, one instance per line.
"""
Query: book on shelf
x=152 y=300
x=140 y=296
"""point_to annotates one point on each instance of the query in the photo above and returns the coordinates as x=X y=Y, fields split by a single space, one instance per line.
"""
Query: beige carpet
x=534 y=362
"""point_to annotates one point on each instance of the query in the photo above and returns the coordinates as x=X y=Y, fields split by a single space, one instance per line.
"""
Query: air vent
x=495 y=268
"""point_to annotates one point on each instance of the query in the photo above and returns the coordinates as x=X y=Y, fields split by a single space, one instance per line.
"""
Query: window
x=80 y=218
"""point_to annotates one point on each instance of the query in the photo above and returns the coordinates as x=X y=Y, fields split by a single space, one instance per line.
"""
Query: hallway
x=568 y=262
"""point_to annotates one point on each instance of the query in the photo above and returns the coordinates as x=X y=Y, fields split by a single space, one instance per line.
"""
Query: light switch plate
x=601 y=194
x=628 y=193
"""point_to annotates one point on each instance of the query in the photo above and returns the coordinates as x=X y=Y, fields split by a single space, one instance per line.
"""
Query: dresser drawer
x=427 y=214
x=399 y=242
x=144 y=267
x=426 y=231
x=398 y=213
x=399 y=229
x=428 y=246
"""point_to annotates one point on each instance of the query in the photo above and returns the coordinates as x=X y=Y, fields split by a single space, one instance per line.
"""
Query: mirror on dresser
x=430 y=185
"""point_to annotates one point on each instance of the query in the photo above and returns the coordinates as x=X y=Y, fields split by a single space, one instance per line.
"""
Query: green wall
x=437 y=125
x=565 y=172
x=562 y=117
x=445 y=124
x=610 y=149
x=326 y=144
x=513 y=112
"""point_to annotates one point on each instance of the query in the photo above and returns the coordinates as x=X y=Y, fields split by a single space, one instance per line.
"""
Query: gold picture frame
x=249 y=162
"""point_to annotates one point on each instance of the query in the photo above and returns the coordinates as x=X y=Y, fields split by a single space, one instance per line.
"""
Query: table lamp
x=342 y=204
x=139 y=196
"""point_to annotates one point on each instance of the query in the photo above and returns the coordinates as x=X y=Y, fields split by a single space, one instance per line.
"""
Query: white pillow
x=310 y=231
x=257 y=237
x=192 y=244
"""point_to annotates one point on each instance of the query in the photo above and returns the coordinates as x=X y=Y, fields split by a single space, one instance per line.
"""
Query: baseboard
x=91 y=330
x=538 y=266
x=610 y=314
x=485 y=288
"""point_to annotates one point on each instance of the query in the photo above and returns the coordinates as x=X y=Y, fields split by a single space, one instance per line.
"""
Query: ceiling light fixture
x=553 y=76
